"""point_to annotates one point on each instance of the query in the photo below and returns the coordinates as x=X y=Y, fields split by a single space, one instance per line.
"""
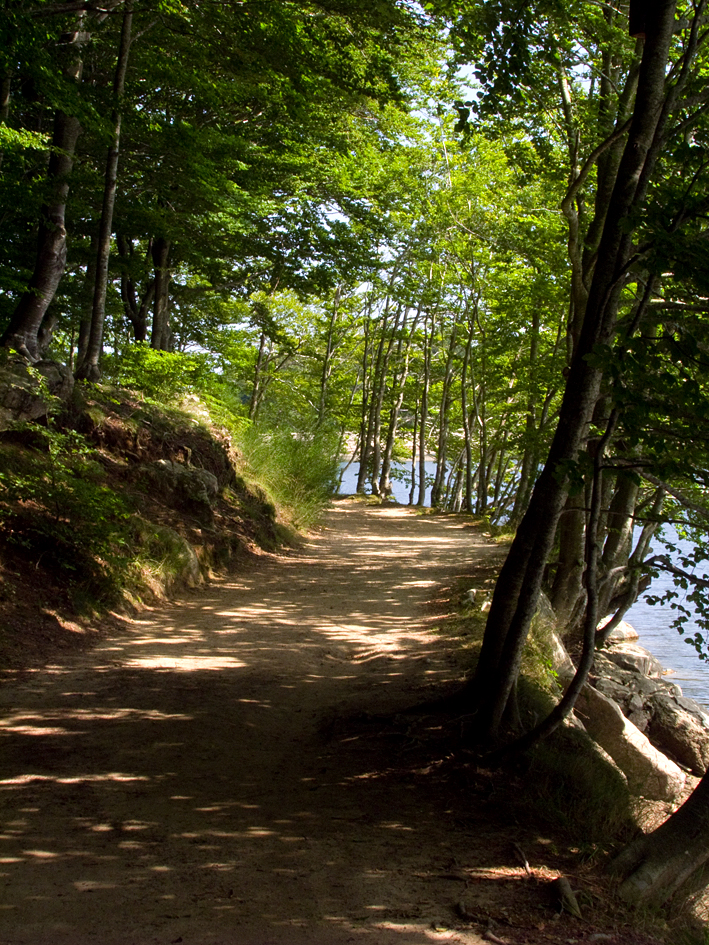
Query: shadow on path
x=187 y=781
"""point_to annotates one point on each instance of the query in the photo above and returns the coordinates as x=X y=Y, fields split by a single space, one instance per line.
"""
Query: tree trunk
x=89 y=368
x=423 y=409
x=161 y=334
x=22 y=333
x=5 y=87
x=87 y=297
x=467 y=418
x=528 y=457
x=517 y=591
x=442 y=448
x=412 y=490
x=654 y=866
x=567 y=584
x=136 y=312
x=327 y=360
x=364 y=444
x=257 y=388
x=398 y=389
x=377 y=405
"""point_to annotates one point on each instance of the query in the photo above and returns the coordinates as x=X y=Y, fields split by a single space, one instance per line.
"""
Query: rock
x=623 y=684
x=615 y=691
x=680 y=732
x=28 y=392
x=650 y=773
x=689 y=705
x=560 y=660
x=640 y=720
x=623 y=632
x=189 y=486
x=58 y=379
x=635 y=658
x=180 y=564
x=566 y=897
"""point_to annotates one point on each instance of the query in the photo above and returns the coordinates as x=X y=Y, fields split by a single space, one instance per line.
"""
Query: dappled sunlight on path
x=182 y=781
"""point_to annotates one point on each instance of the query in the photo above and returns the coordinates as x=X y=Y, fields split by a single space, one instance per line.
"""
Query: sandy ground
x=217 y=774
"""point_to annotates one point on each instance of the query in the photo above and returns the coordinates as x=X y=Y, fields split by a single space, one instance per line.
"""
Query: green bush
x=297 y=470
x=159 y=375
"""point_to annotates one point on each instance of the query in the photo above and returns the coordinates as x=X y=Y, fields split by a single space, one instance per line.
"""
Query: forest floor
x=244 y=767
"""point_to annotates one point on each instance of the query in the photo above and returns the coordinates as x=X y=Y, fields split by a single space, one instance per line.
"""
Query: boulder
x=561 y=661
x=689 y=705
x=187 y=486
x=680 y=732
x=650 y=773
x=635 y=658
x=27 y=392
x=623 y=632
x=624 y=683
x=179 y=564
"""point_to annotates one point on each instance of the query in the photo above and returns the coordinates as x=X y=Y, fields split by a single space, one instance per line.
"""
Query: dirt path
x=189 y=781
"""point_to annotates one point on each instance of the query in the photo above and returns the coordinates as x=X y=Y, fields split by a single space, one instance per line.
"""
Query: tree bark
x=136 y=312
x=160 y=335
x=258 y=387
x=327 y=360
x=90 y=369
x=654 y=866
x=363 y=446
x=467 y=419
x=22 y=333
x=398 y=390
x=569 y=572
x=5 y=87
x=442 y=448
x=386 y=346
x=517 y=591
x=423 y=407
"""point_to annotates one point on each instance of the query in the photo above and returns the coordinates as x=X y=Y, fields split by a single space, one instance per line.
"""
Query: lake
x=653 y=623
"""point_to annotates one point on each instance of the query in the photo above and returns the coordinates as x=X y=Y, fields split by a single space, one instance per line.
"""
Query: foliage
x=56 y=508
x=160 y=375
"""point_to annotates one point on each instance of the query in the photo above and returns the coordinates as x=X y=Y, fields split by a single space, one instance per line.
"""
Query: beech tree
x=229 y=115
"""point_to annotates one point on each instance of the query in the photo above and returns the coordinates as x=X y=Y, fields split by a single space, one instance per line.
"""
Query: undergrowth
x=296 y=468
x=104 y=497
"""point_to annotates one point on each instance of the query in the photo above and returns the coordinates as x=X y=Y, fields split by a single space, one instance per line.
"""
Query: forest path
x=188 y=780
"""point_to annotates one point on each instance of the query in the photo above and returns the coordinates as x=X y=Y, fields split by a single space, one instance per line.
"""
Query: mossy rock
x=166 y=559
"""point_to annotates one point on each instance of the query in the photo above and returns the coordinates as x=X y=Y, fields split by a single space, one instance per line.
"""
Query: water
x=653 y=622
x=400 y=481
